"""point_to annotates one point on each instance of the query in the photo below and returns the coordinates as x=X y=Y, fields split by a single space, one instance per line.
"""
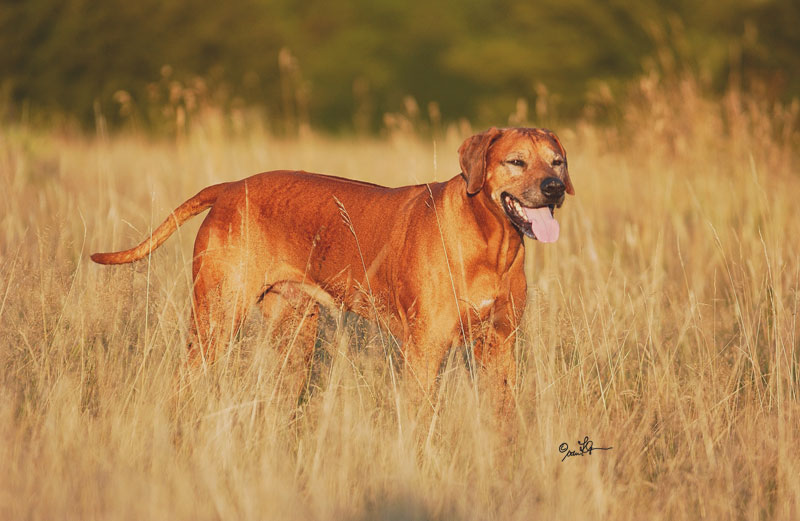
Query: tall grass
x=664 y=324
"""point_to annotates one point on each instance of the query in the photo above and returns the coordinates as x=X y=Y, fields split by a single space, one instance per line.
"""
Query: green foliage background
x=347 y=63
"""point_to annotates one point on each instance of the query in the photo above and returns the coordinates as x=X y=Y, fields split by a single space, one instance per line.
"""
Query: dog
x=437 y=264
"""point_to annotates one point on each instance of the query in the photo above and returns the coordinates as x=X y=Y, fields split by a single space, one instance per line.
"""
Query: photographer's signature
x=585 y=447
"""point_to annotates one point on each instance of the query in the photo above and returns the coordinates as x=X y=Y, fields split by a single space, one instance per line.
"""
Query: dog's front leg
x=424 y=349
x=494 y=349
x=497 y=368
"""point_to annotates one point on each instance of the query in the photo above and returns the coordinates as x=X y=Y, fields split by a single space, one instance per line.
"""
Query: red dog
x=441 y=263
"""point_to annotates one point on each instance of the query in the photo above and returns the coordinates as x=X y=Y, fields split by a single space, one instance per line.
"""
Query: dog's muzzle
x=537 y=222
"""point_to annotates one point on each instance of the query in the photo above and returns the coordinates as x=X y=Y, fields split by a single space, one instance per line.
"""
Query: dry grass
x=663 y=323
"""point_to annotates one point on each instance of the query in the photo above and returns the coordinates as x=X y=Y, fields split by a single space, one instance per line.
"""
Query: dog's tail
x=199 y=203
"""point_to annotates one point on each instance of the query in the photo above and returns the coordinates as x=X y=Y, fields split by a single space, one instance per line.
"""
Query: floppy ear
x=472 y=158
x=567 y=180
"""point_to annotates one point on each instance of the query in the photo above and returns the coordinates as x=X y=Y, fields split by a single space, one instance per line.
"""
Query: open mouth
x=537 y=223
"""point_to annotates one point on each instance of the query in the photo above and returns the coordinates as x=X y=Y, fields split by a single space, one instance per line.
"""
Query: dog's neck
x=498 y=233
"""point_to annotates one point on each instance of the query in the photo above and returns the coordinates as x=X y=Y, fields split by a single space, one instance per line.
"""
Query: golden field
x=664 y=323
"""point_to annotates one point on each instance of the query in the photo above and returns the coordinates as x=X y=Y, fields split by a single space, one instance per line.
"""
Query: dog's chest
x=481 y=295
x=484 y=307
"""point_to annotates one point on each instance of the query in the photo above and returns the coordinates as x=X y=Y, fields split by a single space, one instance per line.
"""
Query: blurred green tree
x=351 y=61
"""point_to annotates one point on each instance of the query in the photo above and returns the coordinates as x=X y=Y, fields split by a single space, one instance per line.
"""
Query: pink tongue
x=544 y=226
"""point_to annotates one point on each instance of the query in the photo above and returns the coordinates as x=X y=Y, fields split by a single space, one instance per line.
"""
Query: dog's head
x=523 y=171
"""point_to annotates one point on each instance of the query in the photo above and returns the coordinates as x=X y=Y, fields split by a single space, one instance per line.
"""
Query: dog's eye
x=557 y=162
x=516 y=162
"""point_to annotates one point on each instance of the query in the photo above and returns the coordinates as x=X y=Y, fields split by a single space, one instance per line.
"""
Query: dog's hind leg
x=293 y=315
x=218 y=308
x=226 y=284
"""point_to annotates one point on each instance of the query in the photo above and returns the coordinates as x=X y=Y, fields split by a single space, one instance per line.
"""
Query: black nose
x=552 y=187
